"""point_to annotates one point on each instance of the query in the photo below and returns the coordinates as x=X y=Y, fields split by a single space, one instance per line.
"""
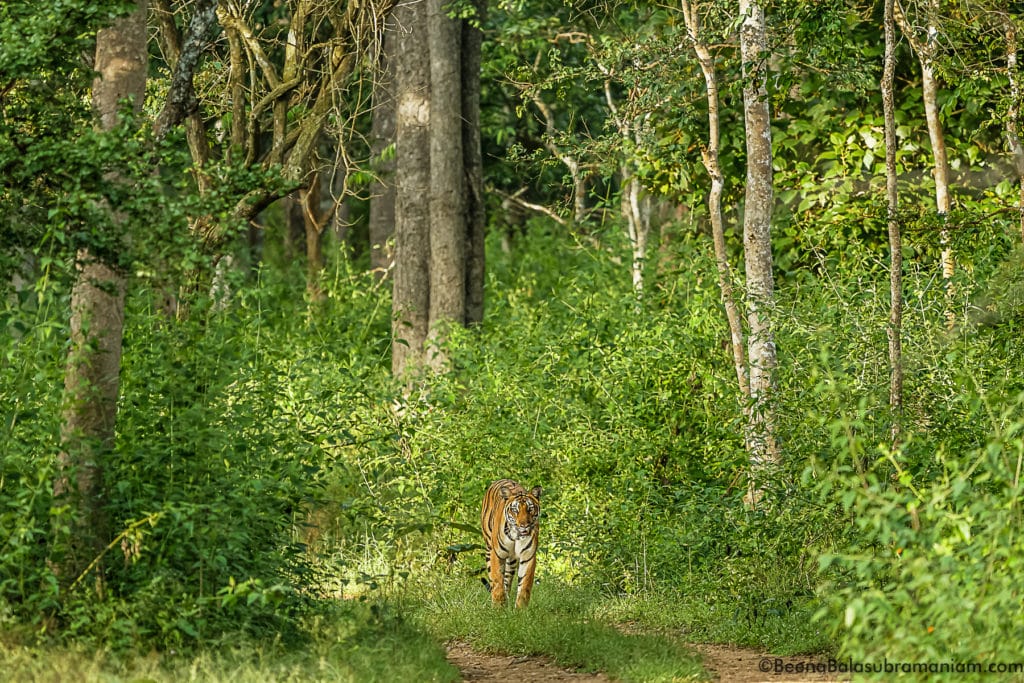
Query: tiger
x=508 y=518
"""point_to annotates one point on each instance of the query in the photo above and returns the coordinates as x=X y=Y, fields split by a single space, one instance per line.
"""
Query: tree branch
x=539 y=208
x=181 y=98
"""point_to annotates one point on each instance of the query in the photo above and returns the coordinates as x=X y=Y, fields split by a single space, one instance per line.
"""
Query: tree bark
x=757 y=247
x=314 y=221
x=182 y=55
x=382 y=134
x=710 y=158
x=633 y=205
x=473 y=165
x=93 y=370
x=894 y=329
x=447 y=182
x=1013 y=136
x=439 y=211
x=411 y=289
x=635 y=208
x=926 y=52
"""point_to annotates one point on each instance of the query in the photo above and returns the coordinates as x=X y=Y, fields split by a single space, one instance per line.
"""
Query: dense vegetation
x=276 y=494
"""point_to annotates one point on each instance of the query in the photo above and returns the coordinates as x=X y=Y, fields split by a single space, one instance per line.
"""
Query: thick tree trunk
x=894 y=329
x=447 y=181
x=92 y=374
x=411 y=298
x=757 y=247
x=439 y=213
x=473 y=165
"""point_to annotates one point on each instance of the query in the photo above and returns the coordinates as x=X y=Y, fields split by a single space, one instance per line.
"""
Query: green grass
x=361 y=645
x=780 y=629
x=565 y=624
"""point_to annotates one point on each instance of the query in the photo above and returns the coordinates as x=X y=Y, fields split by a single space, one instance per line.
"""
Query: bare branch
x=539 y=208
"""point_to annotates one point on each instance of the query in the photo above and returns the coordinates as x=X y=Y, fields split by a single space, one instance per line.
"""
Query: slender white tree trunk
x=757 y=247
x=633 y=204
x=926 y=50
x=894 y=329
x=710 y=158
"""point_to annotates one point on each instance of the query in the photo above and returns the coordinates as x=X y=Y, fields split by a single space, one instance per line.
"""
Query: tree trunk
x=382 y=135
x=926 y=51
x=439 y=213
x=711 y=163
x=447 y=182
x=894 y=329
x=635 y=209
x=1013 y=137
x=476 y=217
x=572 y=164
x=411 y=293
x=633 y=206
x=294 y=237
x=93 y=370
x=314 y=221
x=757 y=247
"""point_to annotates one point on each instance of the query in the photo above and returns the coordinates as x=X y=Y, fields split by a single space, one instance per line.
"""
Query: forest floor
x=726 y=663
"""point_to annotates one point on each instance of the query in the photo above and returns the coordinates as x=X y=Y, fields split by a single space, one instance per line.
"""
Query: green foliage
x=353 y=643
x=931 y=573
x=42 y=40
x=265 y=465
x=219 y=457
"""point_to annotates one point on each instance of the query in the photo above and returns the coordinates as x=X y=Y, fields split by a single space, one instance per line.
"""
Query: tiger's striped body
x=509 y=517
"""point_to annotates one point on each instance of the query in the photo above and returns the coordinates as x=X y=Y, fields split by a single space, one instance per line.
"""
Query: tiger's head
x=522 y=509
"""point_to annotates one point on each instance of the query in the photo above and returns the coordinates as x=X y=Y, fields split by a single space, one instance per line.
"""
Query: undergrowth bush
x=932 y=574
x=228 y=429
x=625 y=410
x=266 y=463
x=628 y=417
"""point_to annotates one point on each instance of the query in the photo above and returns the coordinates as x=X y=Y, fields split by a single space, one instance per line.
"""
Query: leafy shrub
x=227 y=432
x=932 y=573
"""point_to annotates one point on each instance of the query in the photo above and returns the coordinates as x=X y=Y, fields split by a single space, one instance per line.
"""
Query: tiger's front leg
x=511 y=565
x=526 y=569
x=494 y=570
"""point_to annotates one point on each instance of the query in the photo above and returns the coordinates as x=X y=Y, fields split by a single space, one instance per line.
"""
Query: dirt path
x=478 y=666
x=726 y=663
x=731 y=664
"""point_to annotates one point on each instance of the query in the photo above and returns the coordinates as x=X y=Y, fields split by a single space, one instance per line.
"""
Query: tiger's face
x=521 y=513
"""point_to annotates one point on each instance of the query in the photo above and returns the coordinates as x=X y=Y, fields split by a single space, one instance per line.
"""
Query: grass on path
x=359 y=644
x=561 y=623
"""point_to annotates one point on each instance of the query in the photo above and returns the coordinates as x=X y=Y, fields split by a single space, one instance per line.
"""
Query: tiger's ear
x=504 y=492
x=536 y=491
